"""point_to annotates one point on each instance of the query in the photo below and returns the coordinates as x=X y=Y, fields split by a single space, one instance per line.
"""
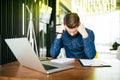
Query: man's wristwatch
x=59 y=33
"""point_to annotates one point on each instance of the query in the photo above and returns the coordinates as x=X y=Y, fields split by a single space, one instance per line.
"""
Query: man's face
x=72 y=31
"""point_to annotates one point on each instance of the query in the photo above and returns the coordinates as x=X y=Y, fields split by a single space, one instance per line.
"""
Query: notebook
x=27 y=57
x=94 y=62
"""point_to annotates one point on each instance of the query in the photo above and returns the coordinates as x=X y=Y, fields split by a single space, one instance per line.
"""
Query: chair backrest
x=96 y=56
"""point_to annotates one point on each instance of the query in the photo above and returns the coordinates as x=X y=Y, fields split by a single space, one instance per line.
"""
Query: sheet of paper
x=63 y=60
x=93 y=62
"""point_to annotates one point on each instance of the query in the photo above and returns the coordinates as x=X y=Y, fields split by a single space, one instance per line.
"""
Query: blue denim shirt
x=75 y=46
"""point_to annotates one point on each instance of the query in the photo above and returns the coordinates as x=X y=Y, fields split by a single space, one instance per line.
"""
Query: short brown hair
x=72 y=20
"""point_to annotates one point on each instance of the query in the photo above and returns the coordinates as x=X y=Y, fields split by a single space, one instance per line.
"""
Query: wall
x=105 y=26
x=11 y=25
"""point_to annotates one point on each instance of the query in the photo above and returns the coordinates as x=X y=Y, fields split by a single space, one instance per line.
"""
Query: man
x=77 y=40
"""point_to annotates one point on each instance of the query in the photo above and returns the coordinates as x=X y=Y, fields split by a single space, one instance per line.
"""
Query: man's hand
x=60 y=30
x=82 y=31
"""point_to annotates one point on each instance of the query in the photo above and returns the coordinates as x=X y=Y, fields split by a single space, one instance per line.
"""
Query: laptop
x=27 y=57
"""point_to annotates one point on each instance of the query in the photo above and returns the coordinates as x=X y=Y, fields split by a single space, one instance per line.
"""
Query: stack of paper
x=63 y=60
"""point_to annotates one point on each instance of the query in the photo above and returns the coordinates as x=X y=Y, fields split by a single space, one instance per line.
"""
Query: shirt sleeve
x=89 y=45
x=56 y=47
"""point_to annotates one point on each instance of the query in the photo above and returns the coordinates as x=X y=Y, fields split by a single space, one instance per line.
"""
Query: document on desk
x=63 y=60
x=94 y=63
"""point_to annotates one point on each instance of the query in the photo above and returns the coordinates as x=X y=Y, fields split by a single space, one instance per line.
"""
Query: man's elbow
x=92 y=55
x=53 y=54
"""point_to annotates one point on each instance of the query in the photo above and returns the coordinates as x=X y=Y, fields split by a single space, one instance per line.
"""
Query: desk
x=14 y=71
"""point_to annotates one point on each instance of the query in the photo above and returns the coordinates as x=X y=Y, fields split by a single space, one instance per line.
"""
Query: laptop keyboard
x=48 y=67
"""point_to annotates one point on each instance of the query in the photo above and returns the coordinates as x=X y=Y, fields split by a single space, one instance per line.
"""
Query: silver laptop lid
x=24 y=53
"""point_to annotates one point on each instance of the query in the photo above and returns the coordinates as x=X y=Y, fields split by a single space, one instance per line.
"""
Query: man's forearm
x=89 y=47
x=55 y=48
